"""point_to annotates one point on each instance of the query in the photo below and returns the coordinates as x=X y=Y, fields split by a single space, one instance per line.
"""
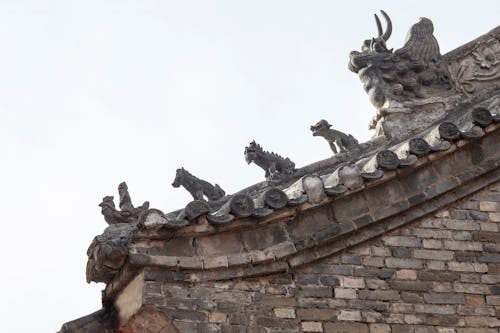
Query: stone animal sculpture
x=198 y=188
x=337 y=140
x=126 y=202
x=379 y=43
x=413 y=71
x=127 y=213
x=275 y=166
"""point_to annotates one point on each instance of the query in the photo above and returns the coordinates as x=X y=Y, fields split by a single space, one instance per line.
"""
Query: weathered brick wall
x=439 y=274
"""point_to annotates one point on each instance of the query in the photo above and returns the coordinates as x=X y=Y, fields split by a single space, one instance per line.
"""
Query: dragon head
x=378 y=44
x=373 y=46
x=251 y=152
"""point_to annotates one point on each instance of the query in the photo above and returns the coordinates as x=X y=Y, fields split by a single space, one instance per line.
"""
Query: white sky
x=93 y=93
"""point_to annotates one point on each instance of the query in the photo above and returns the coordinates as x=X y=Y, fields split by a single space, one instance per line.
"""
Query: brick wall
x=439 y=274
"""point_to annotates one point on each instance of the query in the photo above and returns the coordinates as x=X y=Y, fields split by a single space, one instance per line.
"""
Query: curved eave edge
x=343 y=231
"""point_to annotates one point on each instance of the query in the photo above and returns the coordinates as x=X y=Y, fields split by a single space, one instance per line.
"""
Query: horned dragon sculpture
x=413 y=71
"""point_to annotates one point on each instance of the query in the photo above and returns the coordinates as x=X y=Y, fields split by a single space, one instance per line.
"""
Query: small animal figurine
x=127 y=213
x=198 y=188
x=275 y=166
x=336 y=139
x=111 y=215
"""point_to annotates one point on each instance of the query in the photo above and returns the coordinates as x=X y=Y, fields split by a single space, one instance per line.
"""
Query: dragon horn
x=379 y=25
x=388 y=31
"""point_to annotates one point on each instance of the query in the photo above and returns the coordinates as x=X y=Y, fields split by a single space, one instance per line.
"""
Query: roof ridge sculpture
x=468 y=117
x=346 y=172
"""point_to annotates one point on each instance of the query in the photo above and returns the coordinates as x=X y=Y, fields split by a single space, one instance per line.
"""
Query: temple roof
x=416 y=164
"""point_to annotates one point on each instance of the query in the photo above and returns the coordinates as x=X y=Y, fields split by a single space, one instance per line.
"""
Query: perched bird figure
x=127 y=213
x=126 y=202
x=111 y=215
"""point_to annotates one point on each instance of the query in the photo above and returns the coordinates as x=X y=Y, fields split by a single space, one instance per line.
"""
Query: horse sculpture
x=198 y=188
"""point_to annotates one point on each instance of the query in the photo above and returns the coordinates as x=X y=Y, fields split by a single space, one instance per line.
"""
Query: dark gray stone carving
x=336 y=139
x=198 y=188
x=413 y=71
x=481 y=117
x=418 y=147
x=108 y=252
x=195 y=209
x=127 y=213
x=448 y=131
x=387 y=160
x=482 y=65
x=126 y=202
x=275 y=166
x=238 y=206
x=273 y=198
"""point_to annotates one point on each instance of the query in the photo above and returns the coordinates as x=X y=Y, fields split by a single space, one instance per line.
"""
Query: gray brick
x=373 y=261
x=329 y=280
x=489 y=258
x=353 y=260
x=437 y=275
x=411 y=285
x=459 y=214
x=462 y=246
x=307 y=279
x=379 y=295
x=402 y=241
x=468 y=310
x=330 y=269
x=411 y=297
x=461 y=225
x=435 y=309
x=444 y=298
x=465 y=256
x=401 y=252
x=433 y=254
x=470 y=288
x=480 y=216
x=403 y=263
x=374 y=272
x=317 y=292
x=430 y=233
x=369 y=305
x=403 y=329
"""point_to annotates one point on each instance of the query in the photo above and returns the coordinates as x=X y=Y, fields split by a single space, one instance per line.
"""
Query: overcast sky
x=93 y=93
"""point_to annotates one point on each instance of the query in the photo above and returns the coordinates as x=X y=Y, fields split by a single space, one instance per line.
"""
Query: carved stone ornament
x=108 y=252
x=276 y=167
x=413 y=71
x=479 y=68
x=418 y=147
x=449 y=131
x=338 y=141
x=387 y=160
x=199 y=188
x=127 y=213
x=481 y=116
